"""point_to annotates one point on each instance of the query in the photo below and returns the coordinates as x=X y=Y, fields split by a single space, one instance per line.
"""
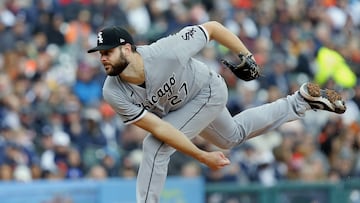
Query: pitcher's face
x=114 y=61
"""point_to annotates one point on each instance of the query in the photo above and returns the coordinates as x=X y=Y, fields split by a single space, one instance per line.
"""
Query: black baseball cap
x=111 y=37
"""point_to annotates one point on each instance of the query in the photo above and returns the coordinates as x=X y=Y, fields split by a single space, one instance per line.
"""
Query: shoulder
x=190 y=32
x=187 y=33
x=109 y=81
x=111 y=85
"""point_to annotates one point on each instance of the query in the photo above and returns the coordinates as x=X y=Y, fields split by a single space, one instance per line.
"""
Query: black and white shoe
x=322 y=99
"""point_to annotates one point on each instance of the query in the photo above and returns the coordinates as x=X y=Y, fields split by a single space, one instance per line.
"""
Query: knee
x=150 y=144
x=153 y=146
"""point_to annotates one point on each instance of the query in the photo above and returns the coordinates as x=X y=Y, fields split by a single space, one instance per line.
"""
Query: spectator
x=191 y=170
x=75 y=167
x=54 y=159
x=54 y=32
x=97 y=172
x=111 y=164
x=114 y=14
x=6 y=173
x=110 y=125
x=137 y=15
x=87 y=87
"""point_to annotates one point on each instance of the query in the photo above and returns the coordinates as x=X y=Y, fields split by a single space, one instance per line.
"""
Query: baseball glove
x=246 y=70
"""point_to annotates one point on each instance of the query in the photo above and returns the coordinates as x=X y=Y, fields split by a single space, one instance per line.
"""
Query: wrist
x=201 y=156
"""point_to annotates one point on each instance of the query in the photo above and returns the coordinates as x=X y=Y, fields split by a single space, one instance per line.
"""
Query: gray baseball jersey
x=172 y=77
x=187 y=94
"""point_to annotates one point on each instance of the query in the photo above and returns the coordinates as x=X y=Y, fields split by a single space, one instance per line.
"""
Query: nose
x=102 y=58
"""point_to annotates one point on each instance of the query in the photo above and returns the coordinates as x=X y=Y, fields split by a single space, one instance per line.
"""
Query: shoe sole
x=323 y=99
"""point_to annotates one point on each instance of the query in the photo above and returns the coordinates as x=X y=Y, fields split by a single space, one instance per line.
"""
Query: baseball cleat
x=322 y=99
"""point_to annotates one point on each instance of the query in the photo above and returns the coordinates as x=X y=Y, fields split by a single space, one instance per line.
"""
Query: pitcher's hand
x=215 y=160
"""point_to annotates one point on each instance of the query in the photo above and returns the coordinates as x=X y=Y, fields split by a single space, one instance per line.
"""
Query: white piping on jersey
x=205 y=32
x=137 y=118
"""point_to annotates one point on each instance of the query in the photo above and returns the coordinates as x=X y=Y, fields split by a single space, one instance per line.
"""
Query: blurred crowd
x=54 y=123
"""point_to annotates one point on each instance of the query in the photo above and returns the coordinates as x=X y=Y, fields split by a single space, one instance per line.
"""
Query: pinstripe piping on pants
x=152 y=168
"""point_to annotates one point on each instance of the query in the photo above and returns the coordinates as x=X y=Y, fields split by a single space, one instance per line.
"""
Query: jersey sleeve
x=184 y=44
x=128 y=111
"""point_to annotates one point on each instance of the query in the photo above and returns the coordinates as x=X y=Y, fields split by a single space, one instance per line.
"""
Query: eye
x=104 y=52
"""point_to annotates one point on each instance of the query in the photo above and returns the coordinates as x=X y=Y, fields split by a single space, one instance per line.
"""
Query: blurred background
x=54 y=124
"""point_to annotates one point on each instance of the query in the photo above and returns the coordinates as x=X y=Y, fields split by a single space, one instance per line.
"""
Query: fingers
x=219 y=161
x=225 y=162
x=220 y=165
x=216 y=160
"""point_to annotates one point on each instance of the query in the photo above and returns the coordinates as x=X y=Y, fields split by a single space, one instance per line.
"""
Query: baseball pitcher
x=162 y=89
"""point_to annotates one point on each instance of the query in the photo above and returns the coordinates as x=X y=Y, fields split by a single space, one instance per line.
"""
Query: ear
x=126 y=48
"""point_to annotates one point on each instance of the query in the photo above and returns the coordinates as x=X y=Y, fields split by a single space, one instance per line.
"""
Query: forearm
x=225 y=37
x=170 y=135
x=179 y=141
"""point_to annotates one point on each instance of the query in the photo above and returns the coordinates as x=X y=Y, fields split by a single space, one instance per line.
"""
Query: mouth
x=107 y=66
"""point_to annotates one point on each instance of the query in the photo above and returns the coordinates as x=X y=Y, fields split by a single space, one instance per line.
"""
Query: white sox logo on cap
x=112 y=37
x=100 y=38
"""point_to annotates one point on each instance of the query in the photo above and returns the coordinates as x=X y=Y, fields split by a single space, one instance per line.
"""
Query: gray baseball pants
x=206 y=115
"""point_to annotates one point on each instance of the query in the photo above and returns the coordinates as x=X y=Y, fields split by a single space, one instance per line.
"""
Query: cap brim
x=101 y=47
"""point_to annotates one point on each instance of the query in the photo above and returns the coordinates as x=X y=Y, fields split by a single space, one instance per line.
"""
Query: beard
x=118 y=67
